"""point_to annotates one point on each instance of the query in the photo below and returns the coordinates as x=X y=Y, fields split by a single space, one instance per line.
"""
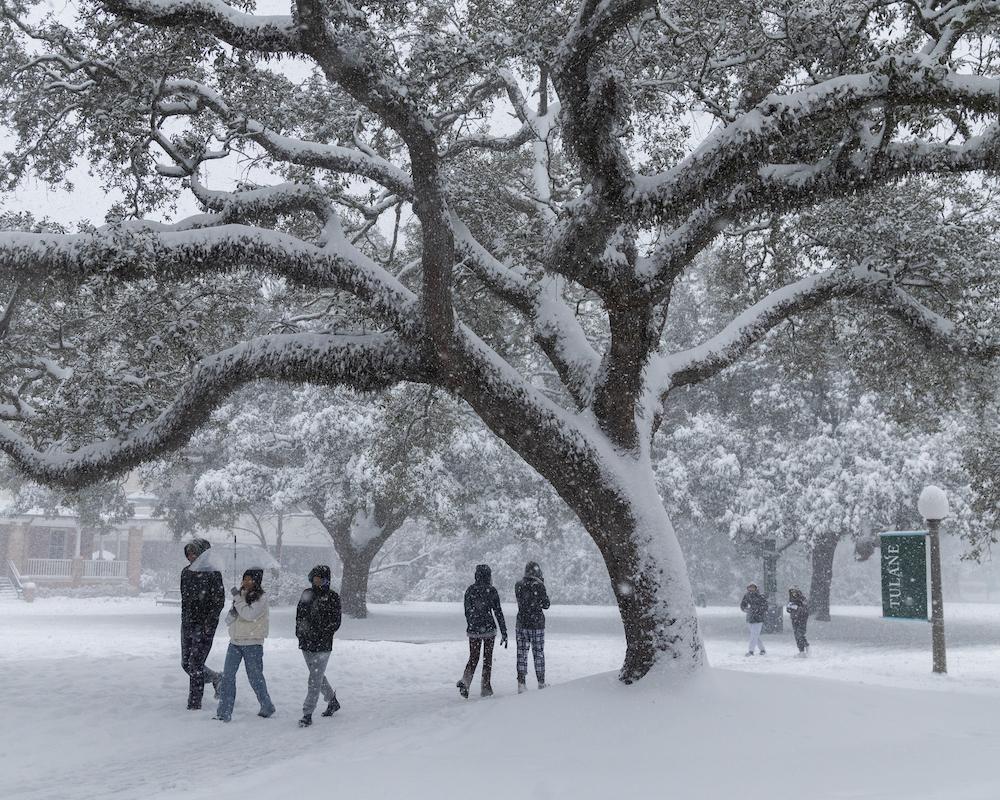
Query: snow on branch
x=365 y=363
x=266 y=34
x=734 y=153
x=556 y=329
x=251 y=203
x=336 y=158
x=137 y=250
x=701 y=362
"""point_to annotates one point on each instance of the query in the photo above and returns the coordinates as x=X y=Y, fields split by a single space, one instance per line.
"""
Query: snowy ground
x=93 y=707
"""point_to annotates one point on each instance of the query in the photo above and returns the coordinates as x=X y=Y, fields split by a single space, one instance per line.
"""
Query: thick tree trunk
x=356 y=557
x=648 y=574
x=822 y=577
x=354 y=583
x=613 y=491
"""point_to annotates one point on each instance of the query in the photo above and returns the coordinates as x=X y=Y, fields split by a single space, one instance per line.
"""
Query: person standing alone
x=529 y=629
x=798 y=610
x=755 y=606
x=317 y=619
x=482 y=604
x=202 y=599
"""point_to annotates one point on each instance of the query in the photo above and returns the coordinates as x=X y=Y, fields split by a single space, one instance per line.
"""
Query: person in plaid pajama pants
x=529 y=631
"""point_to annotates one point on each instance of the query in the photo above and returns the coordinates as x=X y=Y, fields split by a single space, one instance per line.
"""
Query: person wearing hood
x=248 y=628
x=798 y=610
x=482 y=605
x=202 y=599
x=529 y=629
x=755 y=606
x=317 y=619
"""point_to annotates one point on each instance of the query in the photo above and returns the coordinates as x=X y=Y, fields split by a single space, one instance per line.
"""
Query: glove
x=235 y=590
x=503 y=640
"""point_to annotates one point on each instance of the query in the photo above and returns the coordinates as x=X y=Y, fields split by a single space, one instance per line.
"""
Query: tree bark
x=822 y=577
x=649 y=579
x=357 y=561
x=354 y=583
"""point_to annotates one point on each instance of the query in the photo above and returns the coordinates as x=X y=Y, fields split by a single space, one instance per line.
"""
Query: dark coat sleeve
x=468 y=606
x=544 y=596
x=335 y=615
x=745 y=603
x=498 y=613
x=303 y=625
x=216 y=601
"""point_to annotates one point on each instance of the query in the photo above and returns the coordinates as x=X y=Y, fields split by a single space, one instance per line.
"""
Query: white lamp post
x=933 y=507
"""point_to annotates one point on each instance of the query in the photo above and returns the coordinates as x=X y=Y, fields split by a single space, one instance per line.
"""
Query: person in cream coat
x=248 y=628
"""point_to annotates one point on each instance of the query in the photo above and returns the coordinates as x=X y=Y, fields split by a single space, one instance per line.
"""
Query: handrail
x=15 y=577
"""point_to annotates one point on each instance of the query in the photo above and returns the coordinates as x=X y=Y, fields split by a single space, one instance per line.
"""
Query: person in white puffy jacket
x=248 y=628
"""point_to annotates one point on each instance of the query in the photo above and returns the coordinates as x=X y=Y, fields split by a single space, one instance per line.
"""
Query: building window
x=57 y=544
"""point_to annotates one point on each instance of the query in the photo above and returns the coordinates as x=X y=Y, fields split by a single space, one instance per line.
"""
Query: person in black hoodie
x=798 y=610
x=755 y=606
x=482 y=604
x=202 y=599
x=529 y=629
x=317 y=618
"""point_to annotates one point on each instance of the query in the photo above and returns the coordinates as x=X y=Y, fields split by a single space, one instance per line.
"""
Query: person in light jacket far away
x=248 y=628
x=798 y=610
x=529 y=628
x=317 y=618
x=202 y=599
x=755 y=606
x=482 y=604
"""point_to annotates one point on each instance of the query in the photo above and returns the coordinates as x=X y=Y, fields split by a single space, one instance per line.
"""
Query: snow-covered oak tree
x=641 y=130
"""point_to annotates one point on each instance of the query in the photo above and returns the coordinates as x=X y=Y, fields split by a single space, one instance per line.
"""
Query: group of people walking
x=317 y=619
x=754 y=604
x=483 y=615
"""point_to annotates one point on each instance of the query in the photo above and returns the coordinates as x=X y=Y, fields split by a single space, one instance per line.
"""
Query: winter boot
x=522 y=687
x=542 y=684
x=331 y=707
x=463 y=689
x=487 y=691
x=749 y=652
x=266 y=712
x=763 y=652
x=306 y=721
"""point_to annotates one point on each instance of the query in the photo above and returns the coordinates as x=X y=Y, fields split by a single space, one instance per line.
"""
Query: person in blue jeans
x=248 y=628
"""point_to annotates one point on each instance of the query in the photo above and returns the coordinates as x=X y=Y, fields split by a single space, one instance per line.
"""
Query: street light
x=933 y=507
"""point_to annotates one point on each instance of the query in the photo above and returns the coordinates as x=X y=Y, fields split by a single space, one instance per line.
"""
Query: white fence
x=63 y=568
x=112 y=570
x=48 y=568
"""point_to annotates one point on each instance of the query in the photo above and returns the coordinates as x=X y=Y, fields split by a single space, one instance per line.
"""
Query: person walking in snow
x=798 y=610
x=755 y=606
x=529 y=628
x=317 y=619
x=202 y=599
x=248 y=628
x=482 y=604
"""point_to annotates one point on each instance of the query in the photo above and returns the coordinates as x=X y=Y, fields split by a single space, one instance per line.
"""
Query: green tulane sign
x=904 y=574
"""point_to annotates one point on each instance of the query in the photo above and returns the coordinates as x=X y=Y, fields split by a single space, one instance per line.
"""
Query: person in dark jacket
x=529 y=628
x=482 y=604
x=798 y=610
x=317 y=619
x=755 y=606
x=202 y=599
